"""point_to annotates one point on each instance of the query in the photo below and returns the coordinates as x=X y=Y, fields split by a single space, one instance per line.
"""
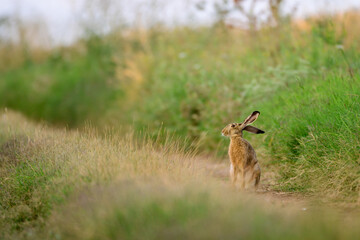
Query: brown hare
x=242 y=155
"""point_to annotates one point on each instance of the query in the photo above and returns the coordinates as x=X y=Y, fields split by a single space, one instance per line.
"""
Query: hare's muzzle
x=224 y=132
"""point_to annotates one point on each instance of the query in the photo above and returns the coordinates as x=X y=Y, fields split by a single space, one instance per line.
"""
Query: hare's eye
x=233 y=125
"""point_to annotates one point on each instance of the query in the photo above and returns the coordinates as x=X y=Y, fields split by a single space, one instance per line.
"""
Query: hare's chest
x=237 y=153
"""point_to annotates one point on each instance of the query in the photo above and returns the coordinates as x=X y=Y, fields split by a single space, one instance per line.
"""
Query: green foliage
x=314 y=134
x=68 y=88
x=25 y=197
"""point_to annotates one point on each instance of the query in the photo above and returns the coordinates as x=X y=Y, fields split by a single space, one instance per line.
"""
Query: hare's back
x=248 y=147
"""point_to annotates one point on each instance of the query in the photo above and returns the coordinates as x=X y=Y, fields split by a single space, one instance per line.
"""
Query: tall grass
x=314 y=136
x=69 y=185
x=42 y=167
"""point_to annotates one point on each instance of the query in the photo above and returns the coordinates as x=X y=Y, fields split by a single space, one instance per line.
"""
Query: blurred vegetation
x=303 y=76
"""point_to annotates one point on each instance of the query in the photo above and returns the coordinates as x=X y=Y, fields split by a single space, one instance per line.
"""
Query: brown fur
x=243 y=161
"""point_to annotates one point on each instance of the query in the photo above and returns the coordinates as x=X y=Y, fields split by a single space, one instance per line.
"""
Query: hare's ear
x=250 y=119
x=253 y=130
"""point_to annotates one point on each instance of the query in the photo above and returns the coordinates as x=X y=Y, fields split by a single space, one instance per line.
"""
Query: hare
x=242 y=155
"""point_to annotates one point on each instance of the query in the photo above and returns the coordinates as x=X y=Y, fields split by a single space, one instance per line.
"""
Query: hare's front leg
x=233 y=174
x=242 y=182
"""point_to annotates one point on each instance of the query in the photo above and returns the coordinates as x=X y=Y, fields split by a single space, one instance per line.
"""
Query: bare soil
x=219 y=169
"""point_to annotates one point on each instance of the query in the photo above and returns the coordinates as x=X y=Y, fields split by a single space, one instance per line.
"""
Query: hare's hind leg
x=256 y=175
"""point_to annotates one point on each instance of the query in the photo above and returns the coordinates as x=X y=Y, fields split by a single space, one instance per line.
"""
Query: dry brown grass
x=40 y=165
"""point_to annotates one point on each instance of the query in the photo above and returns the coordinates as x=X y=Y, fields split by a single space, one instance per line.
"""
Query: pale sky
x=64 y=18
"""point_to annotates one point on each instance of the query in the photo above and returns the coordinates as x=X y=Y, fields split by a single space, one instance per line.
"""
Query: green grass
x=68 y=88
x=68 y=185
x=41 y=168
x=155 y=212
x=314 y=135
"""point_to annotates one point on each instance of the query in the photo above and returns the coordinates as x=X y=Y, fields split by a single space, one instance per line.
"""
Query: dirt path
x=220 y=170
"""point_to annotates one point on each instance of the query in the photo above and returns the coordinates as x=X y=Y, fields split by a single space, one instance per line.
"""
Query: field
x=118 y=136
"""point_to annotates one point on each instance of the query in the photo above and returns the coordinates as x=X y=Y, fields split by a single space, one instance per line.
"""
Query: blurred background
x=186 y=66
x=62 y=22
